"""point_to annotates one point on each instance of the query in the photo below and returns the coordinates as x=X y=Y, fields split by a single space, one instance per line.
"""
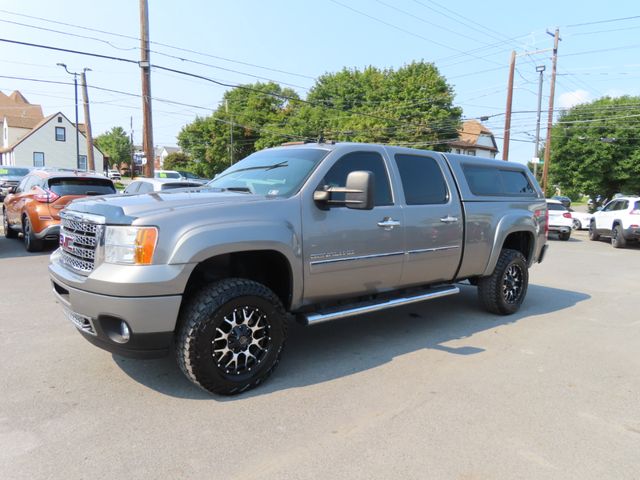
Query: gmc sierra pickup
x=314 y=232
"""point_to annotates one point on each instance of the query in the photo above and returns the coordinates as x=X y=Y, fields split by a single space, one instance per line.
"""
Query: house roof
x=469 y=134
x=16 y=107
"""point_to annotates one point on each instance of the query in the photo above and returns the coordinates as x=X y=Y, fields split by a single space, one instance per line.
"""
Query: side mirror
x=13 y=189
x=359 y=192
x=598 y=209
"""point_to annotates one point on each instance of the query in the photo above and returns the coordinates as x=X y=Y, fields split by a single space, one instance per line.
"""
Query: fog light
x=124 y=332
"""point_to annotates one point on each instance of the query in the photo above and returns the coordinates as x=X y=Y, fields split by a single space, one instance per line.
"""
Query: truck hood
x=124 y=209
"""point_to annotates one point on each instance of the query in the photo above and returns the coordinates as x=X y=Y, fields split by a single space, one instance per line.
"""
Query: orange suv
x=33 y=207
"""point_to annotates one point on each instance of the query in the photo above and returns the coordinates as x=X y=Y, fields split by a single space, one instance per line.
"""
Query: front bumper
x=150 y=320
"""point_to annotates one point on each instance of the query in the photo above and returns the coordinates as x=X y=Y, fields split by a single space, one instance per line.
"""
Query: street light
x=75 y=85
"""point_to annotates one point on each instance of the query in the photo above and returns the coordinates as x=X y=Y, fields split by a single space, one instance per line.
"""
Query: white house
x=162 y=153
x=475 y=139
x=50 y=143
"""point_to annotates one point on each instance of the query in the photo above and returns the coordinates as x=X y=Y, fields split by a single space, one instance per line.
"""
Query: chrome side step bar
x=375 y=306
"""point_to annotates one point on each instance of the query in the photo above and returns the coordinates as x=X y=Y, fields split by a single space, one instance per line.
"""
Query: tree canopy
x=116 y=145
x=596 y=148
x=410 y=106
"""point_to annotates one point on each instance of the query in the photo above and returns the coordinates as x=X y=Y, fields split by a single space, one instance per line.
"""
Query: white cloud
x=569 y=99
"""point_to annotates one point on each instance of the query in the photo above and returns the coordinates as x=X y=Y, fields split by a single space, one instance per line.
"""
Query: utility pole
x=507 y=118
x=132 y=170
x=540 y=69
x=226 y=107
x=75 y=86
x=547 y=146
x=145 y=66
x=91 y=166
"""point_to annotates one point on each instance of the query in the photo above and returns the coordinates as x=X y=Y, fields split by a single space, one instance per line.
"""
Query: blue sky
x=293 y=42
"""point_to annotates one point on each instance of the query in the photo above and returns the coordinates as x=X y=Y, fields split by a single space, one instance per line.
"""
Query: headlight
x=130 y=245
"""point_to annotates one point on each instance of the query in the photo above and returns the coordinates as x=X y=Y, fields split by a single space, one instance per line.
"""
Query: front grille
x=79 y=238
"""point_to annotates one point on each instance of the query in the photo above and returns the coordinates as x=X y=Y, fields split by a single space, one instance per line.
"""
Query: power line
x=602 y=21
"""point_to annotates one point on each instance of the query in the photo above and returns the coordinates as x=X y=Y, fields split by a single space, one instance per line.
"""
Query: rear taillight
x=46 y=196
x=566 y=215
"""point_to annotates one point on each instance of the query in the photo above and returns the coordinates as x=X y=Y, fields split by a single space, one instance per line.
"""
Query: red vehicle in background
x=33 y=206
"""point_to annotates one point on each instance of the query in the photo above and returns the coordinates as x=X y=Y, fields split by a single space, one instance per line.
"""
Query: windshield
x=279 y=172
x=13 y=172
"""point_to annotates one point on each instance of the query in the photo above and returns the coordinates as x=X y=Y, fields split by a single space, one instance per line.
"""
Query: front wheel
x=504 y=290
x=232 y=335
x=593 y=235
x=8 y=232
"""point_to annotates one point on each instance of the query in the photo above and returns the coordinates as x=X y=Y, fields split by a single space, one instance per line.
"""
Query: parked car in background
x=11 y=177
x=192 y=177
x=114 y=175
x=581 y=220
x=172 y=174
x=33 y=206
x=619 y=220
x=148 y=185
x=560 y=219
x=566 y=201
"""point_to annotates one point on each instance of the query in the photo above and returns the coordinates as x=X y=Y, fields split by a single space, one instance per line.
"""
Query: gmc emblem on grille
x=66 y=242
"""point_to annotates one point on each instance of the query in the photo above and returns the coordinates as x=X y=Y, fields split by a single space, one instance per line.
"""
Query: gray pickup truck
x=314 y=232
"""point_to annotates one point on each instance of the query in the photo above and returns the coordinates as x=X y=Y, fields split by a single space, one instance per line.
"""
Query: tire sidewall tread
x=490 y=288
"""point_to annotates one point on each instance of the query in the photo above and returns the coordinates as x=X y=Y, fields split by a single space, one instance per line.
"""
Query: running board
x=375 y=306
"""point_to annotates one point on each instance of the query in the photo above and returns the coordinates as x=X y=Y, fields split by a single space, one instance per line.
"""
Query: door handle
x=388 y=223
x=449 y=219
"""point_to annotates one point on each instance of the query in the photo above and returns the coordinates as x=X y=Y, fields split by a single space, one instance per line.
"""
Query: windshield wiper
x=261 y=167
x=237 y=189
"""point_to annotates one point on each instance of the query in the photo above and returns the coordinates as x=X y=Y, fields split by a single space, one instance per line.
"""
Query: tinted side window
x=515 y=182
x=422 y=180
x=494 y=181
x=610 y=206
x=356 y=161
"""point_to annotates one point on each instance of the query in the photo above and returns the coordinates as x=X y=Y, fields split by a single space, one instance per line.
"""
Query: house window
x=59 y=119
x=82 y=162
x=471 y=152
x=61 y=134
x=38 y=159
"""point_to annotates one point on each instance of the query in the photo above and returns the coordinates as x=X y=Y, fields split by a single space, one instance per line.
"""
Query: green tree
x=116 y=145
x=596 y=148
x=254 y=115
x=177 y=161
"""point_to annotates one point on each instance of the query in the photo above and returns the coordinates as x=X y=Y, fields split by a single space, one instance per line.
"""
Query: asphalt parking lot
x=439 y=390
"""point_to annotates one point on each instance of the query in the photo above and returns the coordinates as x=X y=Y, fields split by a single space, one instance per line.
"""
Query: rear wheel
x=565 y=236
x=617 y=237
x=232 y=335
x=576 y=225
x=593 y=234
x=31 y=243
x=8 y=232
x=504 y=290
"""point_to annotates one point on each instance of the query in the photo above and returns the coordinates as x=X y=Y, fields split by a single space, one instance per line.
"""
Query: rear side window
x=145 y=187
x=422 y=180
x=81 y=186
x=359 y=161
x=497 y=182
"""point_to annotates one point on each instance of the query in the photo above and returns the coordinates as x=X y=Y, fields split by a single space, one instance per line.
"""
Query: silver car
x=148 y=185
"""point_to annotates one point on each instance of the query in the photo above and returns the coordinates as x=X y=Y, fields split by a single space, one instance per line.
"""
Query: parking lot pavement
x=439 y=390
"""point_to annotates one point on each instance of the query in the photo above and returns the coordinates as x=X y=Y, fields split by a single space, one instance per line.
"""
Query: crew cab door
x=433 y=220
x=346 y=251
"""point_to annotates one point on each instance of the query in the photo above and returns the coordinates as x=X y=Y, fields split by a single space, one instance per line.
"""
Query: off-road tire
x=31 y=243
x=200 y=322
x=593 y=235
x=565 y=236
x=8 y=231
x=492 y=290
x=617 y=237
